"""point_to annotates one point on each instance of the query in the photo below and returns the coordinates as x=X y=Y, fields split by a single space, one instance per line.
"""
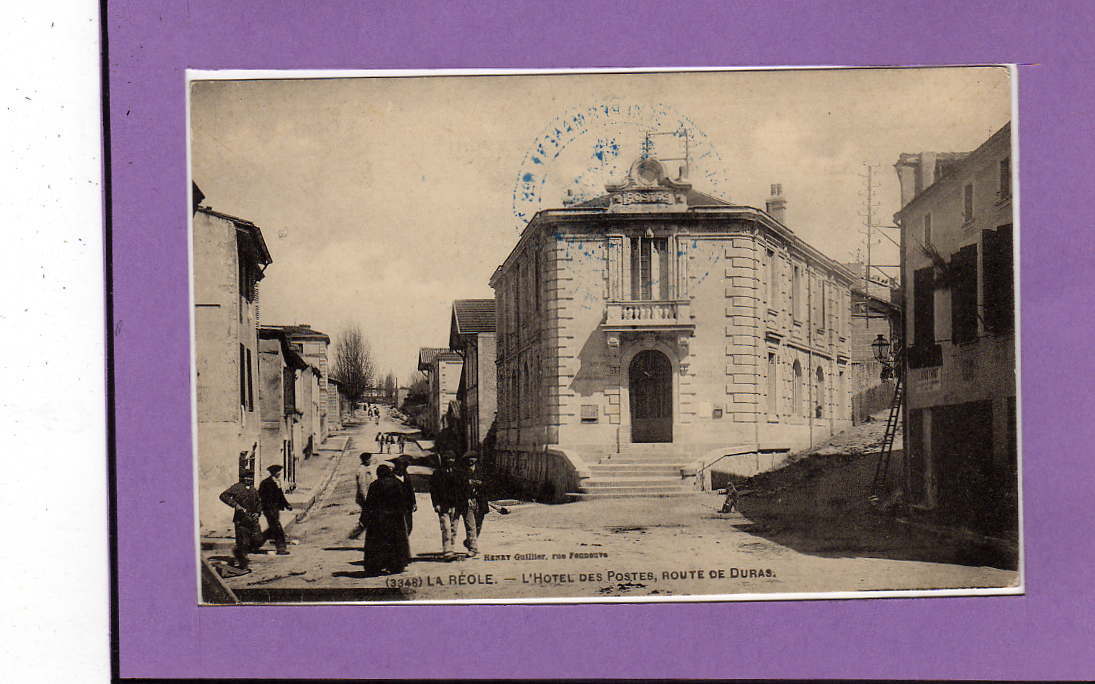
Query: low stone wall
x=547 y=475
x=719 y=466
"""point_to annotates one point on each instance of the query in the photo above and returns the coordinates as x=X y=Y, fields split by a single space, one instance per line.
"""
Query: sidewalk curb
x=225 y=543
x=321 y=491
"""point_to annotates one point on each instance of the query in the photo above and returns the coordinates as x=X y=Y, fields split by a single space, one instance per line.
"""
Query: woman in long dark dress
x=387 y=547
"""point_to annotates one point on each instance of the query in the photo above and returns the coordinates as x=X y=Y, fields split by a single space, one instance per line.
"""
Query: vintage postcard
x=604 y=336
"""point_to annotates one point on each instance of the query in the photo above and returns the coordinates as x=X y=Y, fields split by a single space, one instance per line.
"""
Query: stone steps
x=653 y=459
x=635 y=469
x=638 y=470
x=643 y=494
x=616 y=480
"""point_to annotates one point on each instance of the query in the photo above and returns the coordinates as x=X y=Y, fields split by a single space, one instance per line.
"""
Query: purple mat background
x=1046 y=634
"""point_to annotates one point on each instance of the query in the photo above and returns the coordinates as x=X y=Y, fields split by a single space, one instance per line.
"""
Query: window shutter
x=924 y=307
x=964 y=296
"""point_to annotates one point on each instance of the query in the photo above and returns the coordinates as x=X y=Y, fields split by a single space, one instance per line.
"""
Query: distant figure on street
x=399 y=440
x=387 y=547
x=243 y=497
x=449 y=495
x=273 y=502
x=476 y=507
x=362 y=479
x=400 y=468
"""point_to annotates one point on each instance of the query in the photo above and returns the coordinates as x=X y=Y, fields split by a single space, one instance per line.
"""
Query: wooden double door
x=650 y=385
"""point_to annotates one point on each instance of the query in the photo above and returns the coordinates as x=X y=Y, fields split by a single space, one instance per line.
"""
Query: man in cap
x=273 y=502
x=449 y=495
x=362 y=479
x=476 y=507
x=245 y=500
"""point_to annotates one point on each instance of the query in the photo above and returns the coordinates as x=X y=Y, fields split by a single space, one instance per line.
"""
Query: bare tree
x=353 y=362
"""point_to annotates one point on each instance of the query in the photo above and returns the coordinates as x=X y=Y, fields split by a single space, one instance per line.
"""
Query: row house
x=471 y=335
x=228 y=261
x=958 y=269
x=442 y=368
x=283 y=402
x=659 y=324
x=314 y=346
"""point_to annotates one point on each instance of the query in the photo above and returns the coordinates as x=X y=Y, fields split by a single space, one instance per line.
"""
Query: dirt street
x=603 y=548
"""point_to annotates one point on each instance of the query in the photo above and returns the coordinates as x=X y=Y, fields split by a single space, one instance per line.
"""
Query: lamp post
x=888 y=355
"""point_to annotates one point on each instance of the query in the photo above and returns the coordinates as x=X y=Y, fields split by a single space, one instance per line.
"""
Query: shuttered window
x=924 y=307
x=964 y=295
x=999 y=279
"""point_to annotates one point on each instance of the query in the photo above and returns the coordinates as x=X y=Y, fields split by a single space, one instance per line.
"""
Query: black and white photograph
x=604 y=336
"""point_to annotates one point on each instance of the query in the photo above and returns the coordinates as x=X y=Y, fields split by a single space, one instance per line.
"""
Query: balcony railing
x=656 y=314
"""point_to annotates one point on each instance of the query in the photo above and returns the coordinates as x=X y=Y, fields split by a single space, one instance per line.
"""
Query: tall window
x=796 y=390
x=250 y=385
x=771 y=279
x=842 y=389
x=536 y=279
x=924 y=307
x=243 y=375
x=649 y=268
x=999 y=279
x=796 y=292
x=927 y=229
x=964 y=295
x=967 y=202
x=289 y=395
x=773 y=386
x=819 y=394
x=1005 y=178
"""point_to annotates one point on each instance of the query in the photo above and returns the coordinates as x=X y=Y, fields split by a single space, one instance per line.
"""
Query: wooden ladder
x=882 y=469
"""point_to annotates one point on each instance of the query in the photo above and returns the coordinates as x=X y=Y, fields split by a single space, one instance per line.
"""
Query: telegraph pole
x=870 y=224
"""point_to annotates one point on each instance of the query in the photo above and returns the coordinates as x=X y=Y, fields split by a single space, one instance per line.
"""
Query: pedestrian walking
x=387 y=547
x=243 y=497
x=448 y=493
x=476 y=507
x=273 y=502
x=401 y=443
x=400 y=468
x=362 y=479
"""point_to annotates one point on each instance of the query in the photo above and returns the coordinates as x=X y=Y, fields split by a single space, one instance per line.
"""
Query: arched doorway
x=650 y=384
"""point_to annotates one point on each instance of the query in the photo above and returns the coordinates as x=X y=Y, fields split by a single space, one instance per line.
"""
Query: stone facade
x=229 y=255
x=660 y=318
x=314 y=347
x=472 y=335
x=442 y=368
x=281 y=402
x=958 y=265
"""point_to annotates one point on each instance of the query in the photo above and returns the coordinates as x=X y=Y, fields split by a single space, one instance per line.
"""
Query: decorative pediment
x=648 y=188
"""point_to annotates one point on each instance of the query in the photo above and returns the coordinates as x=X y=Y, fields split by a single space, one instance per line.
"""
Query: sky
x=383 y=199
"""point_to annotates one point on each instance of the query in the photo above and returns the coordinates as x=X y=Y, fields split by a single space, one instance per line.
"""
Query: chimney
x=915 y=172
x=776 y=205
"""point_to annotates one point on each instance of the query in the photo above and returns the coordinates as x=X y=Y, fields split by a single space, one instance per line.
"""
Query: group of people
x=387 y=502
x=386 y=441
x=373 y=411
x=269 y=501
x=388 y=505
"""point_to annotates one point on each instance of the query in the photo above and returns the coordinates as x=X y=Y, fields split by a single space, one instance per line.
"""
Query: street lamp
x=881 y=348
x=888 y=355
